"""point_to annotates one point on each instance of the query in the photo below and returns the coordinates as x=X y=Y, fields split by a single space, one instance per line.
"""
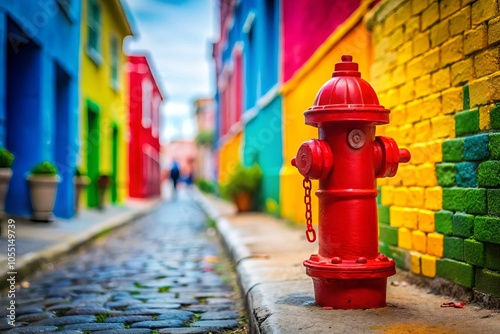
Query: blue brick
x=466 y=175
x=476 y=147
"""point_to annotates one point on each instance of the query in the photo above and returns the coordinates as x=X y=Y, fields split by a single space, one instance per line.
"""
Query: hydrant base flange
x=350 y=284
x=371 y=269
x=350 y=294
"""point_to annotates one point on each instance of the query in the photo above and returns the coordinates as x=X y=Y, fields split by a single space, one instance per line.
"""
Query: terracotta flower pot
x=243 y=202
x=103 y=182
x=5 y=175
x=81 y=182
x=43 y=191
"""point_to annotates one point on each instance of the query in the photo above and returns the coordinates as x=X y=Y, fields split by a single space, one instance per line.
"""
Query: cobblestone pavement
x=159 y=274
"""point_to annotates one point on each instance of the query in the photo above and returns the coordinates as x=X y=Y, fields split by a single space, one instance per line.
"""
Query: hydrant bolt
x=348 y=272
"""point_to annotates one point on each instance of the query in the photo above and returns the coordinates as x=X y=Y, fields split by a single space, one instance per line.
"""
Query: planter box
x=81 y=182
x=43 y=191
x=5 y=175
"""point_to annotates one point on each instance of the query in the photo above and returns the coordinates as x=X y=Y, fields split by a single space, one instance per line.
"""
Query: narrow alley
x=163 y=273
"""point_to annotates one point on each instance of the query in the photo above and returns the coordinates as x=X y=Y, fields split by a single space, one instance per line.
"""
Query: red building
x=145 y=99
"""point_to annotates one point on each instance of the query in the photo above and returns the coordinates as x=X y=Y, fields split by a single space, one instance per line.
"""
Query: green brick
x=453 y=248
x=488 y=174
x=488 y=281
x=379 y=196
x=454 y=199
x=466 y=96
x=462 y=225
x=475 y=201
x=492 y=256
x=383 y=248
x=493 y=196
x=453 y=150
x=495 y=117
x=383 y=214
x=400 y=257
x=467 y=122
x=474 y=252
x=456 y=271
x=487 y=229
x=443 y=221
x=445 y=173
x=388 y=234
x=494 y=145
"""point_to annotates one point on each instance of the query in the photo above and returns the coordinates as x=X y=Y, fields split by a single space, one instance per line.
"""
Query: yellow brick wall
x=424 y=52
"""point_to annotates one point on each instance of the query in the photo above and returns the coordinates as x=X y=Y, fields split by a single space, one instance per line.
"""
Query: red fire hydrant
x=348 y=272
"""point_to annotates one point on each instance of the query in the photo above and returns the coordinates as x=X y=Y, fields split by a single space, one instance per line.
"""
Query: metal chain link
x=310 y=232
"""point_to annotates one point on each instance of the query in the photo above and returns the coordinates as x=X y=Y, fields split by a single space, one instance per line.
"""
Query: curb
x=279 y=296
x=29 y=263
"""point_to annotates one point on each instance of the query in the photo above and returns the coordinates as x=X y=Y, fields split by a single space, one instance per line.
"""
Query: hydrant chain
x=310 y=232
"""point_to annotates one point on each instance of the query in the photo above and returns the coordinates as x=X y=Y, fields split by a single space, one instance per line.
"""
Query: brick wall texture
x=437 y=67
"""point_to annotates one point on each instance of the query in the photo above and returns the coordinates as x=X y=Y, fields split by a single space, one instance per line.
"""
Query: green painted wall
x=263 y=144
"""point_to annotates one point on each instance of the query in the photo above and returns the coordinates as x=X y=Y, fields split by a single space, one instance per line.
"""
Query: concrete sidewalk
x=39 y=243
x=269 y=253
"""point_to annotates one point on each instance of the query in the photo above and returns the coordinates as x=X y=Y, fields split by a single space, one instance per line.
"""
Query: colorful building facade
x=39 y=78
x=205 y=120
x=104 y=128
x=145 y=98
x=436 y=67
x=249 y=105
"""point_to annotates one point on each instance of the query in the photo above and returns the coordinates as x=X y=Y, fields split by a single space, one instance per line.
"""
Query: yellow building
x=351 y=37
x=104 y=111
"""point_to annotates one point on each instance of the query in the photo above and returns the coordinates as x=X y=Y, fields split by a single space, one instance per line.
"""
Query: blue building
x=39 y=68
x=248 y=92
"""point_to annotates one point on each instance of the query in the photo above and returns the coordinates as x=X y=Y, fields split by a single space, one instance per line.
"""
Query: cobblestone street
x=160 y=274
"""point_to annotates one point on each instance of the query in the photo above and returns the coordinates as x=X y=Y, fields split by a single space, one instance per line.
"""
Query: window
x=94 y=30
x=156 y=116
x=147 y=91
x=114 y=62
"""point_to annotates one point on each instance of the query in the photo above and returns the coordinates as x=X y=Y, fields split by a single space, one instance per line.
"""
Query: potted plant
x=81 y=182
x=6 y=160
x=103 y=182
x=43 y=181
x=242 y=185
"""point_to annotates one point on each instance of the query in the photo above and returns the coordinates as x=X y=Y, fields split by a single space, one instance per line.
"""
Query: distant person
x=175 y=174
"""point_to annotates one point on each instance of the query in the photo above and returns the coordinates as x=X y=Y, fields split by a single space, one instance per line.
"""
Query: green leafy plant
x=6 y=158
x=243 y=179
x=44 y=169
x=78 y=173
x=206 y=186
x=205 y=138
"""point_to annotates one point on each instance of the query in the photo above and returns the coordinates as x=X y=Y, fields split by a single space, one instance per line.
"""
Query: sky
x=177 y=35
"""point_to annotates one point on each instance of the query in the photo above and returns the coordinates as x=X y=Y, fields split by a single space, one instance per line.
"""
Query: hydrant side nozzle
x=388 y=156
x=404 y=155
x=313 y=159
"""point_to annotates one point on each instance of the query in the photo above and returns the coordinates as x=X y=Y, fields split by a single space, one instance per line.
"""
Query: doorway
x=93 y=143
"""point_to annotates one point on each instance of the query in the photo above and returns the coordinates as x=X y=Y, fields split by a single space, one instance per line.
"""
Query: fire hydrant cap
x=346 y=97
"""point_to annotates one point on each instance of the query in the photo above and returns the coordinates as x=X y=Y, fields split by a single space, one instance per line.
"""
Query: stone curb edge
x=235 y=249
x=30 y=263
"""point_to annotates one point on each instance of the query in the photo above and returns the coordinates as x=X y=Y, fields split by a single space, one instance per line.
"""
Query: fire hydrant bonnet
x=346 y=97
